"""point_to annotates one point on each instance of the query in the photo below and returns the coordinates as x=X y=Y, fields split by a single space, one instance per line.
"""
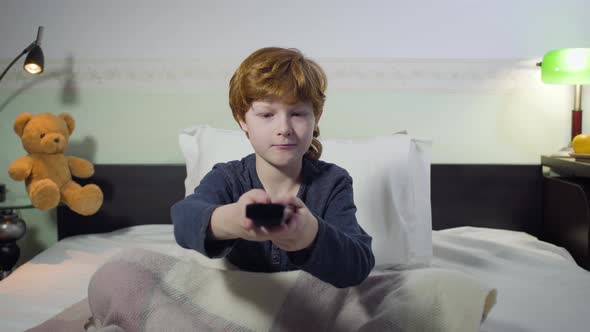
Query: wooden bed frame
x=494 y=196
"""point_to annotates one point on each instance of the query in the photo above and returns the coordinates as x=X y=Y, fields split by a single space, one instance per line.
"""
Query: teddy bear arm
x=20 y=169
x=80 y=168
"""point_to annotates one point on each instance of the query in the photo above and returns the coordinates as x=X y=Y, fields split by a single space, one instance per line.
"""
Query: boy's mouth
x=284 y=146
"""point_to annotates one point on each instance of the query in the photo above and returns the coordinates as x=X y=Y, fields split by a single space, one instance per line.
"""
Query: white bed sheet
x=540 y=288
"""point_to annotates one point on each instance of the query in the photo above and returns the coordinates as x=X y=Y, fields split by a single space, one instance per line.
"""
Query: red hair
x=283 y=74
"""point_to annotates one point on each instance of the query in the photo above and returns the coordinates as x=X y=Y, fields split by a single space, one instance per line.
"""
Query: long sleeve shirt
x=341 y=253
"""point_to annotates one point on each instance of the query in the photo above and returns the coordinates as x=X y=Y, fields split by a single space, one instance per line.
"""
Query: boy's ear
x=317 y=119
x=244 y=126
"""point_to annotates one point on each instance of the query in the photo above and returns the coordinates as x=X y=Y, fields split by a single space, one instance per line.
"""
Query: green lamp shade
x=566 y=66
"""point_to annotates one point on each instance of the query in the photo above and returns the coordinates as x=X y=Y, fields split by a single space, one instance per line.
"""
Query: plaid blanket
x=140 y=290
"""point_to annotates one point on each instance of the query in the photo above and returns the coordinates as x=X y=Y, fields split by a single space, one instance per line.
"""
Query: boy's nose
x=285 y=127
x=285 y=132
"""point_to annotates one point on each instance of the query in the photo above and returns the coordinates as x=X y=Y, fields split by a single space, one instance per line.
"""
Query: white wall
x=460 y=72
x=133 y=73
x=185 y=29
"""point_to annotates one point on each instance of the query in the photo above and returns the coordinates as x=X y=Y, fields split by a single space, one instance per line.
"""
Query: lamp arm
x=26 y=50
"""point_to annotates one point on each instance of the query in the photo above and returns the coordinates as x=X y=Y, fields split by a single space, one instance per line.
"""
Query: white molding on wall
x=444 y=75
x=358 y=74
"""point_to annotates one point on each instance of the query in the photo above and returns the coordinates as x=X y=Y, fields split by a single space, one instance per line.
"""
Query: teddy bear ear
x=69 y=121
x=20 y=123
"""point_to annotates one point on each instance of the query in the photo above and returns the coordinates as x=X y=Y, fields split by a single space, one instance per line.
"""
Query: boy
x=277 y=97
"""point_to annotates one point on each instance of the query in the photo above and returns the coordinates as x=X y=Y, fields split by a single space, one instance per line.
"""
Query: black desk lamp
x=35 y=61
x=12 y=228
x=34 y=64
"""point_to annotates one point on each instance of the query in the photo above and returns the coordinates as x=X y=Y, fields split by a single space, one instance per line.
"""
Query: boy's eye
x=266 y=115
x=42 y=135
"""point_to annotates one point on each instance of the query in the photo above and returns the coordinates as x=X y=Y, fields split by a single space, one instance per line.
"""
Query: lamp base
x=576 y=123
x=12 y=228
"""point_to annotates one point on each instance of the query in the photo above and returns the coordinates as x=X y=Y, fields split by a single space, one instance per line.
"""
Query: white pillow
x=391 y=183
x=203 y=147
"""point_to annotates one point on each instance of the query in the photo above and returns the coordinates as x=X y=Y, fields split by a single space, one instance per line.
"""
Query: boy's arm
x=341 y=253
x=192 y=216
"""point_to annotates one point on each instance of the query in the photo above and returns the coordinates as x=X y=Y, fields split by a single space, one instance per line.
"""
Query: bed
x=485 y=221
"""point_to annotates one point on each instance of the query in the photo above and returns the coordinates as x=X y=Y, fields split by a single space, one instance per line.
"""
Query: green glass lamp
x=568 y=66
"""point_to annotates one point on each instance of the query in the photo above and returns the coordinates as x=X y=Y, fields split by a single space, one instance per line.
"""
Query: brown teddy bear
x=47 y=171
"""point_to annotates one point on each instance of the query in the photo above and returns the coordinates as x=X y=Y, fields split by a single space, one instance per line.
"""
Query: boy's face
x=280 y=133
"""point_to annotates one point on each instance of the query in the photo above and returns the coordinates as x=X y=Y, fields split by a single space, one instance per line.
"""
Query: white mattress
x=540 y=288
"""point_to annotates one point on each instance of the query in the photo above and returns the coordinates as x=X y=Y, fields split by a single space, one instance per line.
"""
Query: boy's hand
x=298 y=232
x=300 y=229
x=230 y=222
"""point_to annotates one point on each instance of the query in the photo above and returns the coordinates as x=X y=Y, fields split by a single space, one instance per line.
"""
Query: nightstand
x=12 y=228
x=566 y=206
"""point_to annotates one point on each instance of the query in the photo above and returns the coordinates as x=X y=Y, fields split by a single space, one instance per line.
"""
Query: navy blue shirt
x=341 y=253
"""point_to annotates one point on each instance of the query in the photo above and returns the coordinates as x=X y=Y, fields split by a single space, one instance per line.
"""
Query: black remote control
x=267 y=215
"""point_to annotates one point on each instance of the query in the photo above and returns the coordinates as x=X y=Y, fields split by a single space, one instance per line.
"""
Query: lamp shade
x=566 y=66
x=35 y=61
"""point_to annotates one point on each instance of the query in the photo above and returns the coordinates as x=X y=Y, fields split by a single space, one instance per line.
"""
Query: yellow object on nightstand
x=581 y=143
